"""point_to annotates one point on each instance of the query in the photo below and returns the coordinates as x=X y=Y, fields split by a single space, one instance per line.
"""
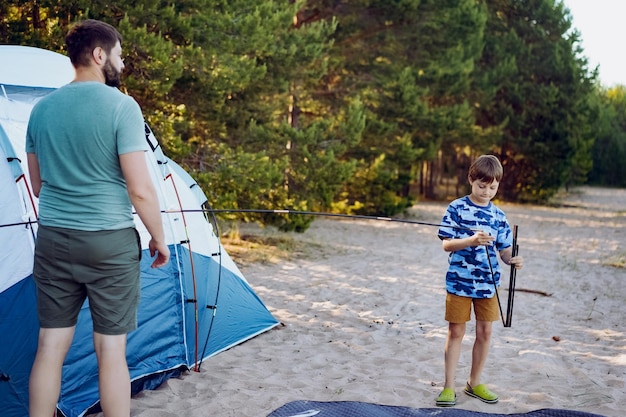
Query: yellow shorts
x=458 y=308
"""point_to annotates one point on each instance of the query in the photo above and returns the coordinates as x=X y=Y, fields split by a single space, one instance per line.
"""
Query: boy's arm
x=477 y=239
x=505 y=255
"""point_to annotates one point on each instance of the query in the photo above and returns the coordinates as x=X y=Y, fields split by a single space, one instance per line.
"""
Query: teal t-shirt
x=77 y=133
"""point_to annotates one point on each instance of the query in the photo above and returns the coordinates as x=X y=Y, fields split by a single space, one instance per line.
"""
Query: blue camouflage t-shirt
x=469 y=274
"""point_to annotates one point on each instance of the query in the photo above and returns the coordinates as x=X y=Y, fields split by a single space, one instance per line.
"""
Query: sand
x=362 y=320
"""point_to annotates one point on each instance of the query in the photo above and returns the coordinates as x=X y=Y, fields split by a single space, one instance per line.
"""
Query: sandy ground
x=362 y=312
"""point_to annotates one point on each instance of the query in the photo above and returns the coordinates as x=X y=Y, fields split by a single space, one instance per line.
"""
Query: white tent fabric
x=17 y=250
x=31 y=63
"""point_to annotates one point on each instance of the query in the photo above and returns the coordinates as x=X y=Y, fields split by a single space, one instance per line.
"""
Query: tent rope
x=296 y=212
x=212 y=212
x=326 y=214
x=26 y=223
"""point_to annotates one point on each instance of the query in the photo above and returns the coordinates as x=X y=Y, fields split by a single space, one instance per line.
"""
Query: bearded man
x=85 y=145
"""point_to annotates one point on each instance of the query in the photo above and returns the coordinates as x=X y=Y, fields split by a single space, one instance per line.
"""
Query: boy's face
x=483 y=192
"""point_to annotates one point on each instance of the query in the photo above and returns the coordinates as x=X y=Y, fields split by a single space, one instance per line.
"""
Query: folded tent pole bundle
x=509 y=309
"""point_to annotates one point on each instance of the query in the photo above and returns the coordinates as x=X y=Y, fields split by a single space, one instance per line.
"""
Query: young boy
x=472 y=230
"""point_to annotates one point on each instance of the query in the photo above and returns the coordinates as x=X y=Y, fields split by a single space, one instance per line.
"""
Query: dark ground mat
x=360 y=409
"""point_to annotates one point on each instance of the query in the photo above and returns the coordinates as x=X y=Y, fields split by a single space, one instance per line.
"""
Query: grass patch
x=246 y=249
x=558 y=200
x=617 y=261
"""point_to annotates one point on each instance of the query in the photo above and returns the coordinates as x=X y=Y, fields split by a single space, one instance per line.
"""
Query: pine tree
x=535 y=89
x=409 y=63
x=609 y=148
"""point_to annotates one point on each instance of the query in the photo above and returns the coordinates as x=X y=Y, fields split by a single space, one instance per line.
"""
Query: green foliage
x=234 y=178
x=609 y=148
x=346 y=105
x=535 y=88
x=410 y=63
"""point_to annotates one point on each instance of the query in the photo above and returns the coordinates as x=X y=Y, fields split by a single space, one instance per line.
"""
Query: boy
x=476 y=229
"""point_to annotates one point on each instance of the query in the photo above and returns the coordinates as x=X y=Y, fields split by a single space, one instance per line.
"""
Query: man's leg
x=45 y=377
x=114 y=377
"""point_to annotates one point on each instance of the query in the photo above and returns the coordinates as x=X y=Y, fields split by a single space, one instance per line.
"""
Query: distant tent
x=197 y=306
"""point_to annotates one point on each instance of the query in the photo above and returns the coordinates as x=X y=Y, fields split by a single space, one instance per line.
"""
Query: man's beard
x=111 y=75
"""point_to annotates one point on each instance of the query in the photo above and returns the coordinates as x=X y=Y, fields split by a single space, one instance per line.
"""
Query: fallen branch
x=545 y=294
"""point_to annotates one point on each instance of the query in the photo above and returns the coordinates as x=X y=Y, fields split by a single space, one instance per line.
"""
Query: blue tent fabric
x=360 y=409
x=18 y=345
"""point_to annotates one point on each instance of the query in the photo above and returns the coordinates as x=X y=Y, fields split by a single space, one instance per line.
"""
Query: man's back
x=82 y=183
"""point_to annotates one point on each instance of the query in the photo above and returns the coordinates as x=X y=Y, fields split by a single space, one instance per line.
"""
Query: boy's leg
x=456 y=331
x=480 y=351
x=45 y=377
x=487 y=311
x=114 y=378
x=457 y=314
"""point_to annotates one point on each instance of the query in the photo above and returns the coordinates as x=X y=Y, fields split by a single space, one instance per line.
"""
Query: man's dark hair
x=87 y=35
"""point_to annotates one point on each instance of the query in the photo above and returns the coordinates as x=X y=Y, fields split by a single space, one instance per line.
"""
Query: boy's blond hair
x=486 y=168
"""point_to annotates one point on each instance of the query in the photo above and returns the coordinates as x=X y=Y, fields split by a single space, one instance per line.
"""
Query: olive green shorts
x=102 y=266
x=458 y=308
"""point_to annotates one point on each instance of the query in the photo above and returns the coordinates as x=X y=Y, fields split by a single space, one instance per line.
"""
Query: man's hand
x=162 y=252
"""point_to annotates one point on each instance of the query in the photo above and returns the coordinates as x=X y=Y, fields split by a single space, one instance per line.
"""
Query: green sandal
x=447 y=398
x=482 y=393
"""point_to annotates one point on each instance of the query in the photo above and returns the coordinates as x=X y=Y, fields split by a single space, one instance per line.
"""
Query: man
x=85 y=146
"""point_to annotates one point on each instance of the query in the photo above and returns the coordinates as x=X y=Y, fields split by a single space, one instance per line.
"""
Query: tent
x=197 y=306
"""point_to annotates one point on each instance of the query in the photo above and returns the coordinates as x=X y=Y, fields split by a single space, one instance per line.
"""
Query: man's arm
x=144 y=198
x=33 y=172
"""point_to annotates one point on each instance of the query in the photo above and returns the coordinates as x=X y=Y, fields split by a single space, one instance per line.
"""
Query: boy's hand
x=517 y=262
x=481 y=238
